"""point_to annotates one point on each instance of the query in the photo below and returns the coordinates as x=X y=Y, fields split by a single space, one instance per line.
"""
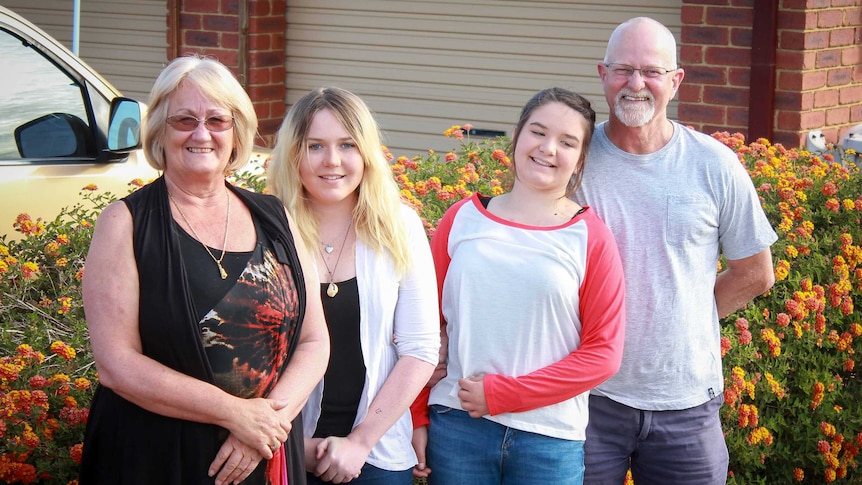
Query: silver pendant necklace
x=332 y=289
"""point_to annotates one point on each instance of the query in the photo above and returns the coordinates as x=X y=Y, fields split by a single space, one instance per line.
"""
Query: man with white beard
x=675 y=199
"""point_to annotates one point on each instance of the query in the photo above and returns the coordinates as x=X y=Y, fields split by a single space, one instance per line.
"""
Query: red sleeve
x=440 y=253
x=419 y=408
x=602 y=310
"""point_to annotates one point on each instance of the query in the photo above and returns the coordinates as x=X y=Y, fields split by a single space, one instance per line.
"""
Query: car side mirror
x=124 y=129
x=54 y=135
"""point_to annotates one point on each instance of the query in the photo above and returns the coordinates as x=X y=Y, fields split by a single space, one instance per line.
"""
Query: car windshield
x=32 y=87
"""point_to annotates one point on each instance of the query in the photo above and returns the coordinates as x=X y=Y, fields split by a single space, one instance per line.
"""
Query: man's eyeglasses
x=650 y=72
x=190 y=123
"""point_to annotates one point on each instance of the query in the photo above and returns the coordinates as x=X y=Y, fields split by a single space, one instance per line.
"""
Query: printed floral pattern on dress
x=246 y=348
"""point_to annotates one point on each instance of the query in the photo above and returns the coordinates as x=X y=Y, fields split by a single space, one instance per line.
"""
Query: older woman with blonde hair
x=377 y=285
x=207 y=334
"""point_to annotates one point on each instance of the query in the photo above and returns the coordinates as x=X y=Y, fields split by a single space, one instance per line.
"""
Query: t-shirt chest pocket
x=692 y=220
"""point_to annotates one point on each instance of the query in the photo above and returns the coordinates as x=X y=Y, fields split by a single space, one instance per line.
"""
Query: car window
x=41 y=104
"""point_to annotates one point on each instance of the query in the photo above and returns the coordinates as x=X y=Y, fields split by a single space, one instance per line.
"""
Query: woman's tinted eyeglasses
x=190 y=123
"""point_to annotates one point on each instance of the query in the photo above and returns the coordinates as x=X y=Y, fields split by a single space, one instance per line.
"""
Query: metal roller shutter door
x=423 y=66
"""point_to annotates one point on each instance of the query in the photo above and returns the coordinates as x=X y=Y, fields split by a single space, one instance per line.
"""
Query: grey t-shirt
x=672 y=212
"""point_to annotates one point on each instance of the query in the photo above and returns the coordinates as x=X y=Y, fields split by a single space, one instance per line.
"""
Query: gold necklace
x=332 y=289
x=218 y=261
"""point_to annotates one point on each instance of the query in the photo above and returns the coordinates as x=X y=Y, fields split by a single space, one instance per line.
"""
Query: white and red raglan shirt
x=538 y=311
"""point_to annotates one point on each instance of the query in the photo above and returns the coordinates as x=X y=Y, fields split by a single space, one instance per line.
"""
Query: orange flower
x=26 y=225
x=451 y=130
x=774 y=343
x=817 y=397
x=76 y=452
x=726 y=344
x=52 y=249
x=63 y=351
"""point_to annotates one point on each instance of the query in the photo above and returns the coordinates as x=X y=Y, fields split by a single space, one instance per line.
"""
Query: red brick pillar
x=818 y=67
x=819 y=71
x=715 y=52
x=248 y=36
x=266 y=69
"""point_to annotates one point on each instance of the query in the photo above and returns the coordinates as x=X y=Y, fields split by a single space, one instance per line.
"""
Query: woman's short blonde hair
x=215 y=82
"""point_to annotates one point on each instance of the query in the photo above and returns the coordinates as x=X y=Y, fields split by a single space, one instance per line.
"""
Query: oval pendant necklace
x=332 y=289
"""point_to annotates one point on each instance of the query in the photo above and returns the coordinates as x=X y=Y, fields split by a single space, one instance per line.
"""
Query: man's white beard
x=633 y=113
x=634 y=117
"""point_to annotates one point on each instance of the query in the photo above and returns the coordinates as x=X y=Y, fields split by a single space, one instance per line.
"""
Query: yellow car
x=62 y=127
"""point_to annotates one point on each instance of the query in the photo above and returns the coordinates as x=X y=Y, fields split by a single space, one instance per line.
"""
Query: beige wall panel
x=423 y=66
x=124 y=40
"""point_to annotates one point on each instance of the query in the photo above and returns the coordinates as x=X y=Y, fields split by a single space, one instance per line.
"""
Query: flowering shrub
x=791 y=379
x=40 y=275
x=431 y=184
x=45 y=404
x=44 y=400
x=792 y=386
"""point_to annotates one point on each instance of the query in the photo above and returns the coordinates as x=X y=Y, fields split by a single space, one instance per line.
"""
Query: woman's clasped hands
x=336 y=459
x=257 y=430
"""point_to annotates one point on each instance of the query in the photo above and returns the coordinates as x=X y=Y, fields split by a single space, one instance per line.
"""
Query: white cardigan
x=397 y=317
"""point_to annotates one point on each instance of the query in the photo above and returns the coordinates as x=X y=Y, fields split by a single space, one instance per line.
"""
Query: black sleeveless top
x=345 y=374
x=125 y=444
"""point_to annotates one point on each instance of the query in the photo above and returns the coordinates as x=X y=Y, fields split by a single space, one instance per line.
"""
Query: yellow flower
x=30 y=270
x=82 y=384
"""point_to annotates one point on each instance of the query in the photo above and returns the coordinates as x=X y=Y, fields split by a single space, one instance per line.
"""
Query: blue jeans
x=371 y=475
x=464 y=450
x=684 y=447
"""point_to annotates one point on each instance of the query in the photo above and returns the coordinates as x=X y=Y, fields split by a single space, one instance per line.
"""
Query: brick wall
x=817 y=75
x=245 y=35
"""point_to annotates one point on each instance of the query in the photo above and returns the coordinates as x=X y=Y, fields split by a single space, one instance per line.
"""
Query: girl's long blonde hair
x=377 y=215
